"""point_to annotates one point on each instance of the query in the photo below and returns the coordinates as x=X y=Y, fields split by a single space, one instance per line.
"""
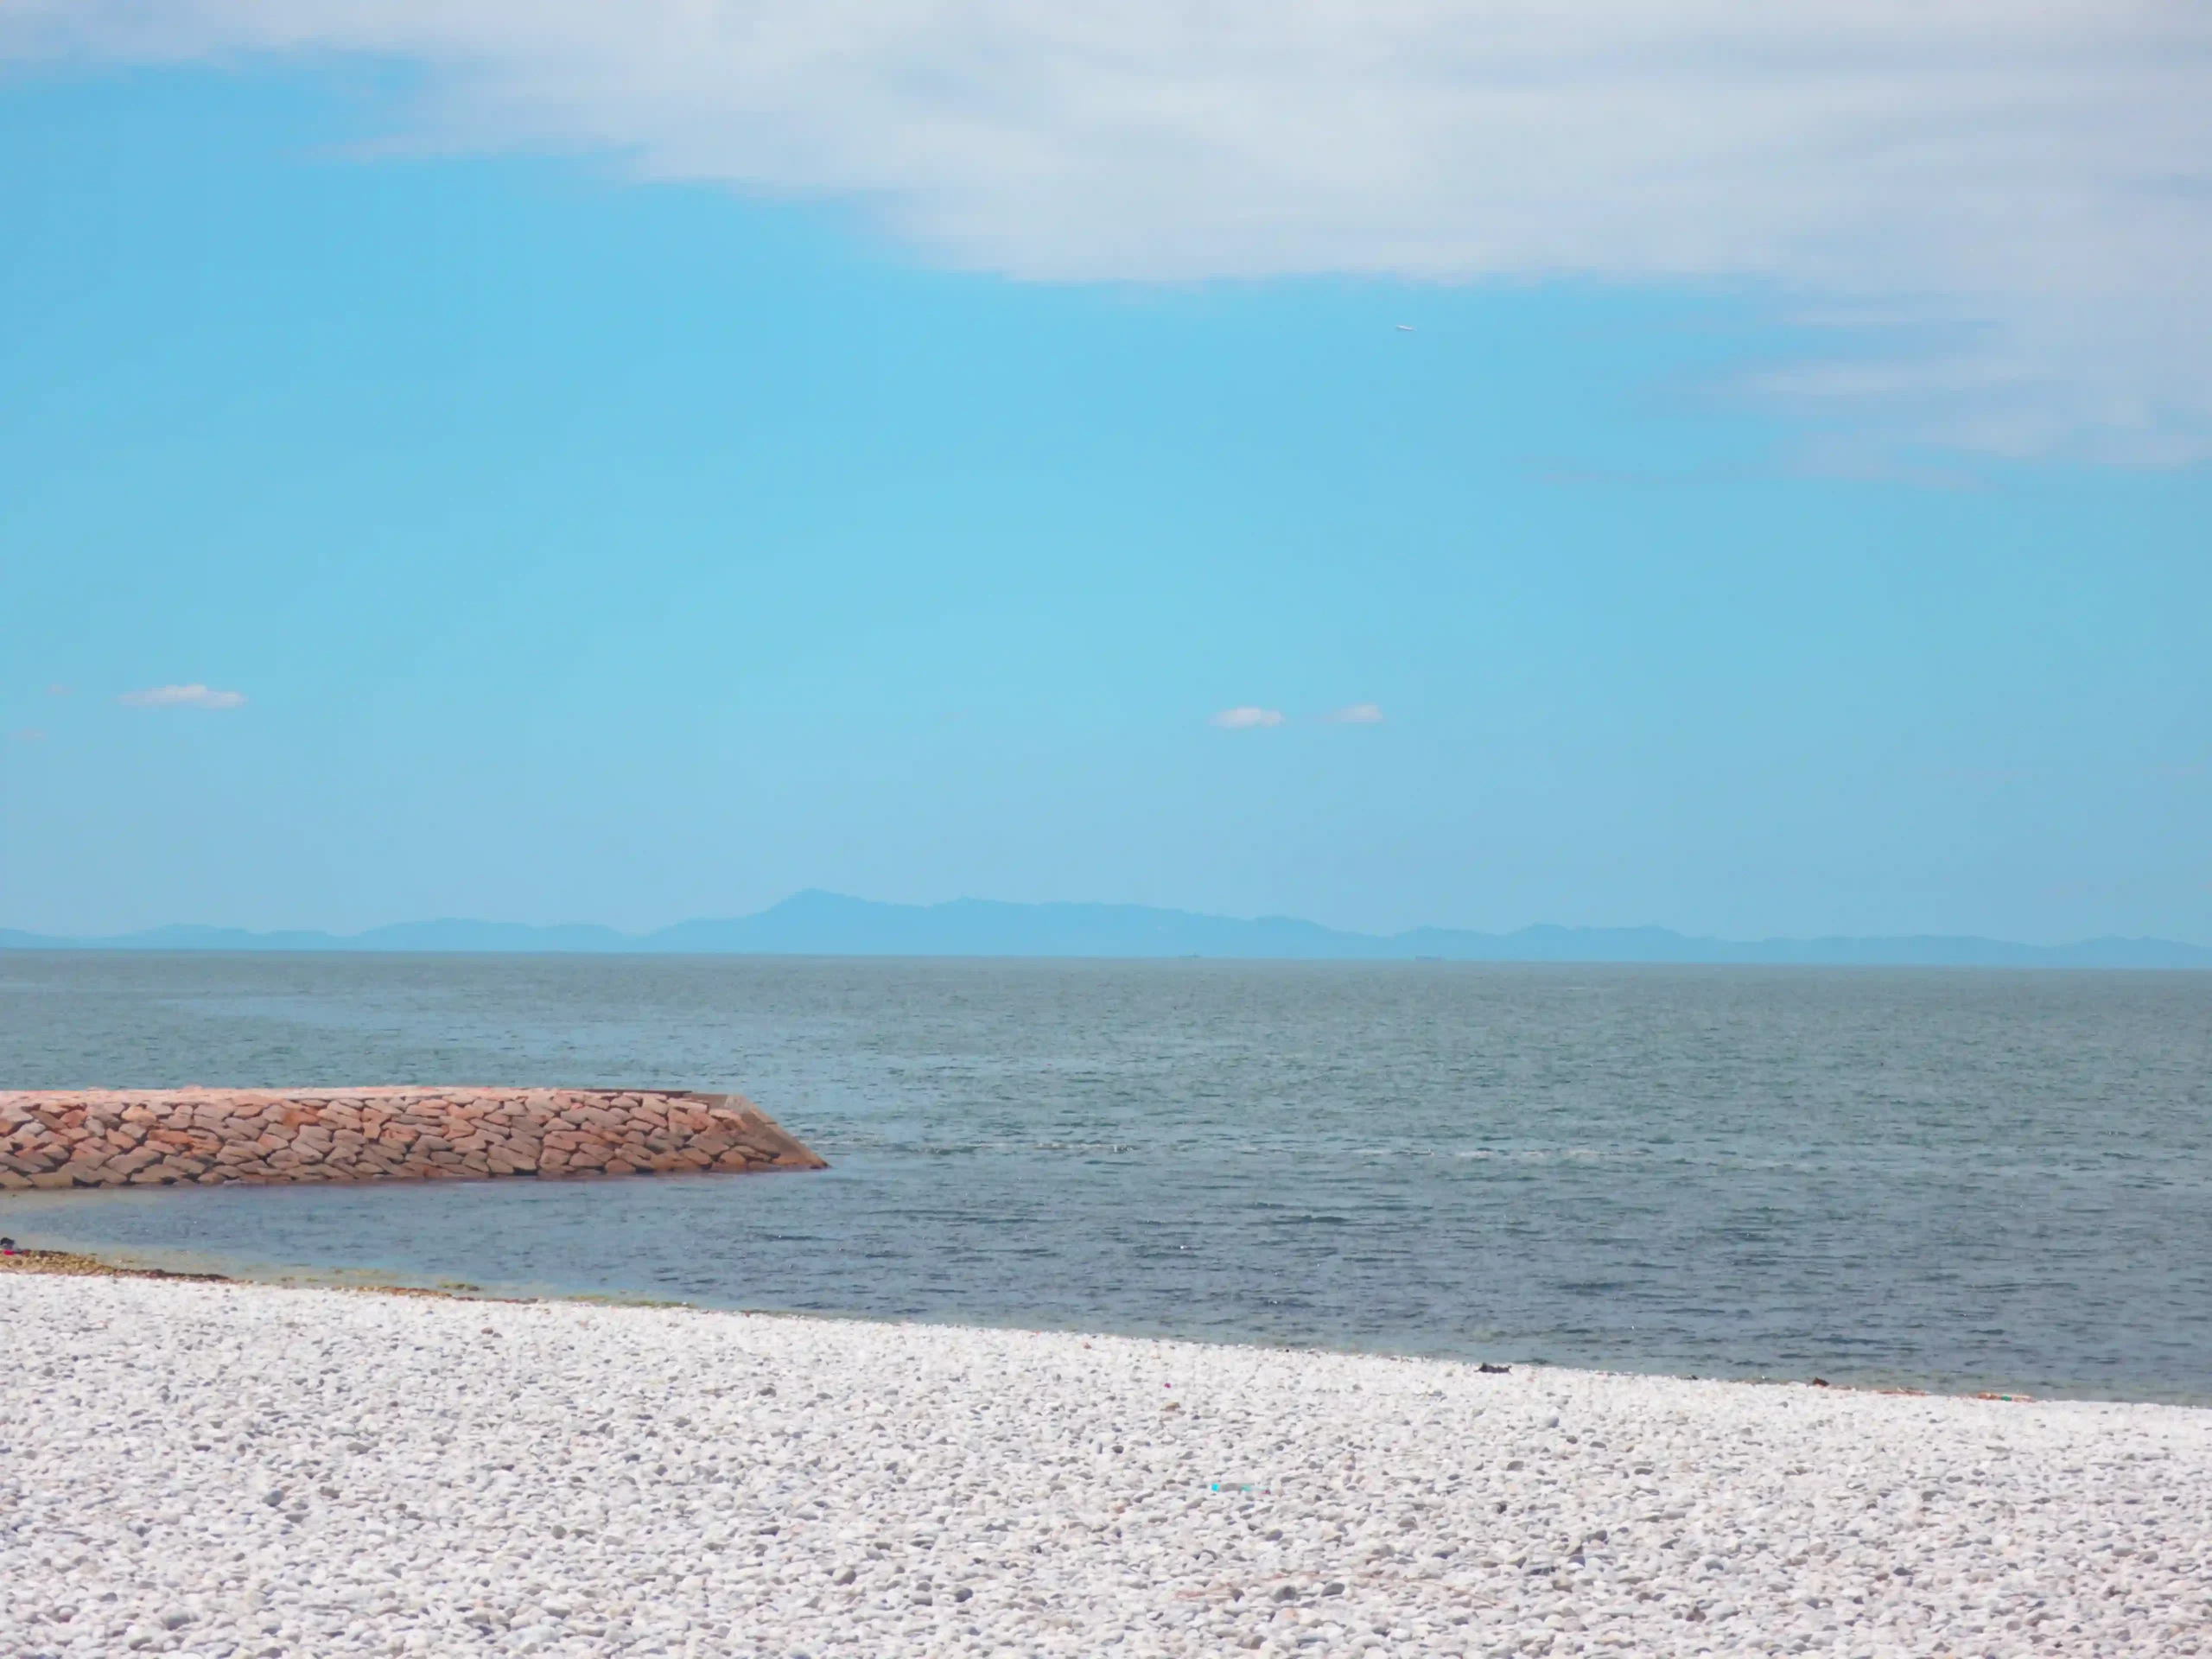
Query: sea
x=1951 y=1179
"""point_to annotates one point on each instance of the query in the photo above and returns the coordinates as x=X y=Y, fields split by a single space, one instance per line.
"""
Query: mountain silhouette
x=827 y=924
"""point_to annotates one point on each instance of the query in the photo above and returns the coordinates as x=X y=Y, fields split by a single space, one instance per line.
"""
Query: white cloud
x=28 y=734
x=182 y=696
x=1245 y=718
x=2031 y=176
x=1356 y=713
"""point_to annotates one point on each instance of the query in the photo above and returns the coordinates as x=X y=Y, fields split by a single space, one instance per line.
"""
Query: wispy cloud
x=28 y=734
x=1356 y=713
x=2004 y=208
x=58 y=690
x=1246 y=718
x=182 y=696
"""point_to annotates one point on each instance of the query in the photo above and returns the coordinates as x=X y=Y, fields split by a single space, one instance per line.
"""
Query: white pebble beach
x=236 y=1469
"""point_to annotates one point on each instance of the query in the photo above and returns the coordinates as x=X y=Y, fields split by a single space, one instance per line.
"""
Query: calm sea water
x=1950 y=1179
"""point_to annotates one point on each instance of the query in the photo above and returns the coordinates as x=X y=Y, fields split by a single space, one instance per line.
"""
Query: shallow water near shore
x=1943 y=1178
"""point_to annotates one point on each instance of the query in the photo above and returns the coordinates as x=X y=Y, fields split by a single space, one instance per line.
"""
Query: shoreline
x=69 y=1263
x=217 y=1467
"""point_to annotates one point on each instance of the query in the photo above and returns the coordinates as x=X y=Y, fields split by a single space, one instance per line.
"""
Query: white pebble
x=234 y=1470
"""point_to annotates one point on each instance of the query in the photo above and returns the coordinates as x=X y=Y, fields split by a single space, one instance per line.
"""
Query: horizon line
x=815 y=921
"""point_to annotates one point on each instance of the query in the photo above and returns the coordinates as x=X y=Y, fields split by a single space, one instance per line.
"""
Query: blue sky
x=577 y=529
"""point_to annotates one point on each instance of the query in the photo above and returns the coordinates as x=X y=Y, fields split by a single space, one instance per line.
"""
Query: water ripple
x=1947 y=1178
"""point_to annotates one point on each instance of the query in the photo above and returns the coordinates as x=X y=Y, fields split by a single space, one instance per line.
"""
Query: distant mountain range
x=827 y=924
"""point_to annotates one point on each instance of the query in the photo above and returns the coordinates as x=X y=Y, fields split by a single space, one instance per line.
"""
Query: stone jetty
x=167 y=1137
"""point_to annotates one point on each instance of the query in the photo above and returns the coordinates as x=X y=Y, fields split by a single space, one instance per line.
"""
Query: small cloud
x=1356 y=714
x=59 y=691
x=1244 y=719
x=28 y=734
x=182 y=696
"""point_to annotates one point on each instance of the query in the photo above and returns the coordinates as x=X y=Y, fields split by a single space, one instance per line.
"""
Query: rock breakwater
x=121 y=1137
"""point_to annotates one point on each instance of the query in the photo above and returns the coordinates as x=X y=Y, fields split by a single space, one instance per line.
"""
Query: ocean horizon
x=814 y=923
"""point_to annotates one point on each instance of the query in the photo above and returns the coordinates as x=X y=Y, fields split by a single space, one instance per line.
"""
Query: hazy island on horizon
x=816 y=922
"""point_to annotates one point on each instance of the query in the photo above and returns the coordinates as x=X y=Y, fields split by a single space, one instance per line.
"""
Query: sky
x=1463 y=464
